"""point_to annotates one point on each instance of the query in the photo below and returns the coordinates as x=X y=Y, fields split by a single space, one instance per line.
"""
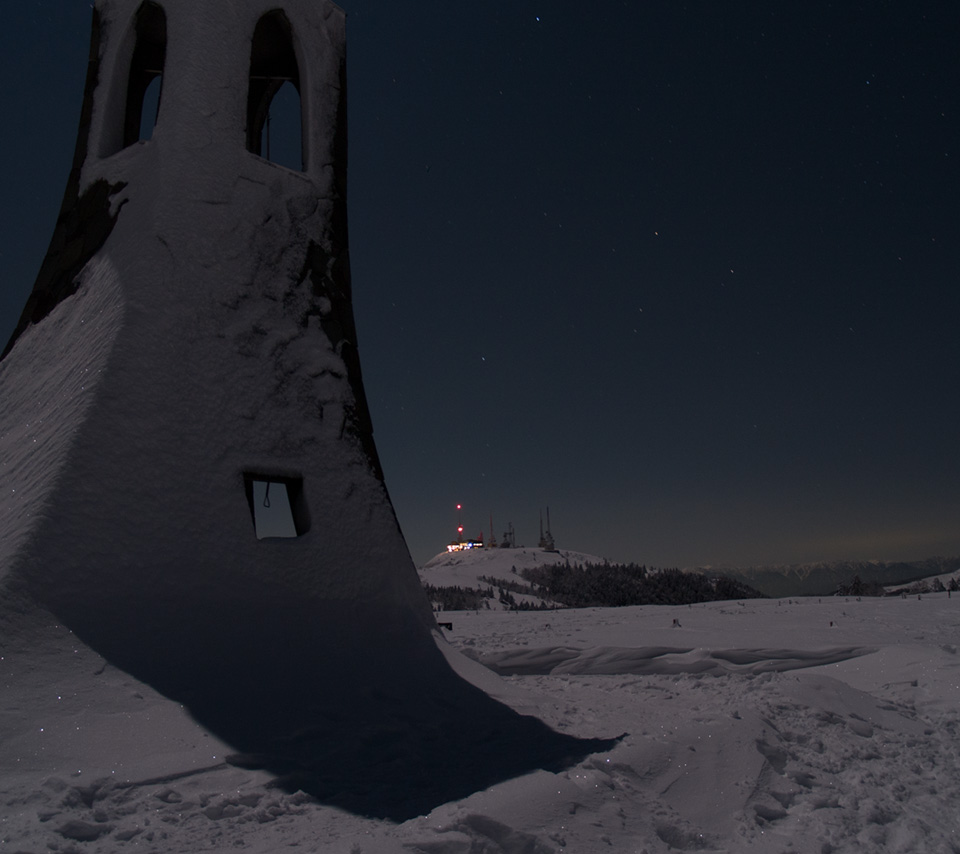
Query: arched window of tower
x=281 y=138
x=145 y=82
x=274 y=109
x=151 y=108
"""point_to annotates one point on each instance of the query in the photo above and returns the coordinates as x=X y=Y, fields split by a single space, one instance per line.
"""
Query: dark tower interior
x=147 y=64
x=273 y=62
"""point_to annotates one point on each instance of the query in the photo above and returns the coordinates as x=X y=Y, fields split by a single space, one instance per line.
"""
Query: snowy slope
x=763 y=726
x=466 y=569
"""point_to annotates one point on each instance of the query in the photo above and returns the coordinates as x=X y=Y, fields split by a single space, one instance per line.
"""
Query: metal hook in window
x=266 y=495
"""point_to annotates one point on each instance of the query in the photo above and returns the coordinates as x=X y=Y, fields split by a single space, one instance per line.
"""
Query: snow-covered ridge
x=460 y=567
x=475 y=569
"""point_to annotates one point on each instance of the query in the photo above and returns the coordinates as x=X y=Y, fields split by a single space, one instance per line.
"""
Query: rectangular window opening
x=277 y=505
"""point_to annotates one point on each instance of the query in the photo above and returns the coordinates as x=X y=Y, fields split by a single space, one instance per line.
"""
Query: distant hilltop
x=520 y=579
x=508 y=578
x=490 y=577
x=826 y=578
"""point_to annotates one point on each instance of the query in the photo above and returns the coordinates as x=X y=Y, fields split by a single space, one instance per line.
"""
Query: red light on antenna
x=460 y=529
x=458 y=507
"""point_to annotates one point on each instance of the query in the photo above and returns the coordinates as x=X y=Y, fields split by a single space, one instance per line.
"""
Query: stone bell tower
x=189 y=480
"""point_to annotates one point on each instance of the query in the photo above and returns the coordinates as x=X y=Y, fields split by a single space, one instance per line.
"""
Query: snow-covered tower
x=187 y=362
x=188 y=479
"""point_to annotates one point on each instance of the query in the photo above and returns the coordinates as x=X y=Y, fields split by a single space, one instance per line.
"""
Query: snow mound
x=661 y=660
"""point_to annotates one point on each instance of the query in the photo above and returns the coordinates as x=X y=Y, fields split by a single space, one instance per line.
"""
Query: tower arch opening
x=145 y=81
x=150 y=109
x=274 y=101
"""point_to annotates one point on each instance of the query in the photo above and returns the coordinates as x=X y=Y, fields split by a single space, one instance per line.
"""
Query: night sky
x=688 y=273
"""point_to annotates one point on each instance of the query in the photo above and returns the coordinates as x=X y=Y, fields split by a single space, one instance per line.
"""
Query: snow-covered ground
x=801 y=725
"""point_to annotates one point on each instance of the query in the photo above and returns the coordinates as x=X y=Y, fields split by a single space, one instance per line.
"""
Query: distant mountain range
x=823 y=579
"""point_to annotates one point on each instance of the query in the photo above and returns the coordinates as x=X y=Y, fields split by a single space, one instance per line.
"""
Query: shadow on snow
x=371 y=721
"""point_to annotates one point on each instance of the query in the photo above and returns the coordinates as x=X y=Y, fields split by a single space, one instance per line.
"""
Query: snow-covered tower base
x=189 y=476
